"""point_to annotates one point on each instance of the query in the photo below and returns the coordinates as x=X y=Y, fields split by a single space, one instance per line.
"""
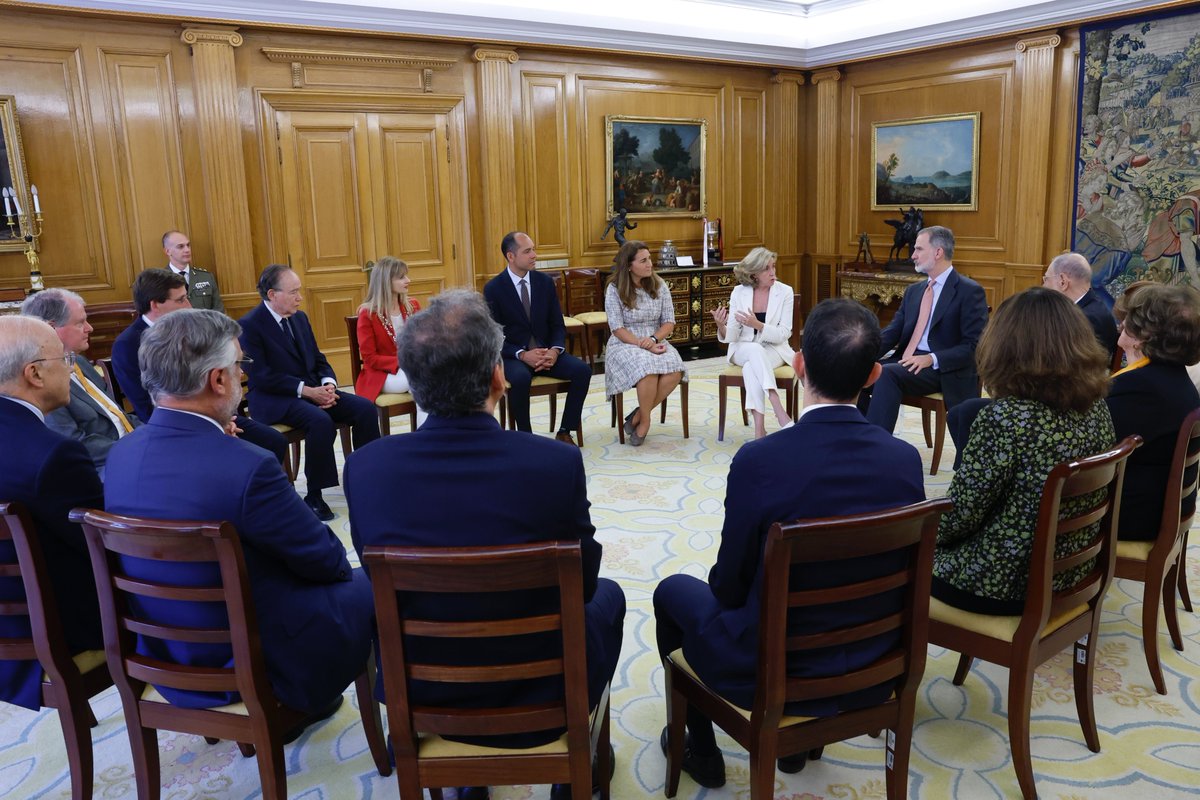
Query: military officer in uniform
x=202 y=284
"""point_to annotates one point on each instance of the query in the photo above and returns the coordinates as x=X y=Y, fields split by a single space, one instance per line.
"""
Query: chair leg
x=939 y=437
x=344 y=434
x=722 y=402
x=683 y=406
x=372 y=723
x=898 y=748
x=504 y=411
x=1084 y=674
x=1020 y=698
x=925 y=427
x=618 y=405
x=272 y=771
x=292 y=465
x=73 y=715
x=603 y=759
x=964 y=666
x=246 y=749
x=143 y=743
x=1169 y=609
x=553 y=412
x=1183 y=587
x=1150 y=599
x=385 y=425
x=662 y=413
x=676 y=720
x=762 y=766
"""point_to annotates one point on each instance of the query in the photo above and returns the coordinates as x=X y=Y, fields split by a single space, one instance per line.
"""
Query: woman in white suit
x=757 y=326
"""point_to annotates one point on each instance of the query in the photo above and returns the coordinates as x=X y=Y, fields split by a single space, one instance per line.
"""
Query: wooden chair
x=295 y=437
x=585 y=302
x=387 y=405
x=423 y=757
x=766 y=730
x=1077 y=494
x=1159 y=563
x=104 y=365
x=108 y=321
x=785 y=380
x=617 y=405
x=67 y=680
x=258 y=723
x=930 y=404
x=577 y=338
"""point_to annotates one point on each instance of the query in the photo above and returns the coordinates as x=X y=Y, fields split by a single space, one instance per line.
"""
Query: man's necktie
x=287 y=328
x=186 y=283
x=922 y=320
x=103 y=400
x=525 y=298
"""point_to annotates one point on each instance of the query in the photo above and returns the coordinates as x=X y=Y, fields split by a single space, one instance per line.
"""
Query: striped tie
x=103 y=400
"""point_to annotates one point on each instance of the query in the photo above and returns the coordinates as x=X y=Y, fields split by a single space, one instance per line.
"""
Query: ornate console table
x=878 y=291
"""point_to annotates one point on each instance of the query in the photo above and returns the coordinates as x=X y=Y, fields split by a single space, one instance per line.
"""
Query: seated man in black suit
x=156 y=293
x=450 y=353
x=91 y=416
x=934 y=334
x=1071 y=274
x=524 y=301
x=50 y=474
x=291 y=382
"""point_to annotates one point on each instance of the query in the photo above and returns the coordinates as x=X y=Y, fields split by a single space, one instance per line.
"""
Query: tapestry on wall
x=1137 y=182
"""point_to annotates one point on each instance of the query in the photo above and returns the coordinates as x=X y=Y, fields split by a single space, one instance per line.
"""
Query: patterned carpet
x=658 y=511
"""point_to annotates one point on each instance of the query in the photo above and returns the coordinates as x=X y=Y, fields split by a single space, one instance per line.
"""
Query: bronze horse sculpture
x=906 y=231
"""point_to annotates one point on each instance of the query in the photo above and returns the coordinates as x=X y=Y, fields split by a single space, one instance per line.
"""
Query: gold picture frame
x=13 y=173
x=928 y=162
x=656 y=166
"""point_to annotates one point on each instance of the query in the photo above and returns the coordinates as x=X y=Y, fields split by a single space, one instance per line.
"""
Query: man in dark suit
x=314 y=612
x=291 y=382
x=157 y=292
x=934 y=334
x=1071 y=274
x=830 y=463
x=50 y=474
x=524 y=301
x=202 y=288
x=92 y=416
x=450 y=353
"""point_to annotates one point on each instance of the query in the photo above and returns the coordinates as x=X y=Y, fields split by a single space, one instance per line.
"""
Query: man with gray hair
x=1071 y=274
x=479 y=485
x=92 y=416
x=314 y=612
x=50 y=474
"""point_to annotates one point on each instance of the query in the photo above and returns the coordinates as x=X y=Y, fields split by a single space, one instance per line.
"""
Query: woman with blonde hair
x=380 y=318
x=638 y=355
x=1041 y=362
x=756 y=326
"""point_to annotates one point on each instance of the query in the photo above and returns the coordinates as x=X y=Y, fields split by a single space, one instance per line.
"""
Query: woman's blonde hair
x=381 y=298
x=755 y=263
x=1040 y=346
x=622 y=275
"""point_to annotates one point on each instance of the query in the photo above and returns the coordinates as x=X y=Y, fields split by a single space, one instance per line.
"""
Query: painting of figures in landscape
x=929 y=162
x=1137 y=186
x=656 y=166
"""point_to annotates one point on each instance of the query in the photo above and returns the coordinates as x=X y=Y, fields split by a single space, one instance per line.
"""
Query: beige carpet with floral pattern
x=658 y=511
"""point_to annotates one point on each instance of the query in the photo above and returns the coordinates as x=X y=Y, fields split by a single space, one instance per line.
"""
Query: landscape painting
x=931 y=162
x=655 y=166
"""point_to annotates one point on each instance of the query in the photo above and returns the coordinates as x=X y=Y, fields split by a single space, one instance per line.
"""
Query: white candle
x=16 y=203
x=7 y=204
x=37 y=206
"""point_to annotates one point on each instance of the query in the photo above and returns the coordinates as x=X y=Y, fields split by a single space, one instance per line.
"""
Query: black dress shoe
x=312 y=719
x=320 y=508
x=473 y=793
x=708 y=771
x=793 y=764
x=562 y=791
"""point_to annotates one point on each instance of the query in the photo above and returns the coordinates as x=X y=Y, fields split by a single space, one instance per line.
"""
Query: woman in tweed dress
x=638 y=355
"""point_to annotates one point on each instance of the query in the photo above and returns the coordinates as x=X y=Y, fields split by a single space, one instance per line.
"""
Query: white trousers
x=394 y=384
x=758 y=365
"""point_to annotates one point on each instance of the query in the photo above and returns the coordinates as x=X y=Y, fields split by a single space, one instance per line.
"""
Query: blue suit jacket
x=129 y=374
x=50 y=474
x=545 y=320
x=306 y=597
x=280 y=364
x=1101 y=319
x=958 y=321
x=520 y=488
x=831 y=463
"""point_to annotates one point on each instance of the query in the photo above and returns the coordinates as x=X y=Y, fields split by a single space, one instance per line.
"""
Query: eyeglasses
x=66 y=358
x=244 y=362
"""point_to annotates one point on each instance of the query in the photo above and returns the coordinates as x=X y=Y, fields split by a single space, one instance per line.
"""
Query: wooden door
x=357 y=186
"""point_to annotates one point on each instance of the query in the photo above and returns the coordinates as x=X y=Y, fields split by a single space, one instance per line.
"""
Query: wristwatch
x=654 y=338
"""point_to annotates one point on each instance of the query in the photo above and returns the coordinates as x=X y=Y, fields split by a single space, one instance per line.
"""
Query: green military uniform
x=203 y=290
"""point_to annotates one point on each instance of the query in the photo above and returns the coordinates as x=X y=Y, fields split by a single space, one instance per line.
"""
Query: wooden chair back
x=555 y=566
x=114 y=388
x=797 y=337
x=1179 y=502
x=64 y=686
x=583 y=290
x=355 y=352
x=108 y=321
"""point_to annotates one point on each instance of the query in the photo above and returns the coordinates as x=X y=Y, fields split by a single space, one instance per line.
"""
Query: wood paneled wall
x=133 y=128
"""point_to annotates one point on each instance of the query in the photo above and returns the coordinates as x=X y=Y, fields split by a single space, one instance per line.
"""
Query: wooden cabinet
x=695 y=292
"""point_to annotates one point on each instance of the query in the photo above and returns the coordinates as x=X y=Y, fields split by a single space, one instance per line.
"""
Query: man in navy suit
x=291 y=382
x=157 y=292
x=524 y=301
x=450 y=353
x=314 y=612
x=934 y=333
x=92 y=416
x=50 y=474
x=832 y=462
x=1071 y=274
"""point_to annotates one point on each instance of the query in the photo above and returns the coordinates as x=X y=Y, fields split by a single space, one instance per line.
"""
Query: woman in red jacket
x=379 y=319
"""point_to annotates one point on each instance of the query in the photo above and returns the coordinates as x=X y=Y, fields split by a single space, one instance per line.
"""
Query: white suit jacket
x=777 y=329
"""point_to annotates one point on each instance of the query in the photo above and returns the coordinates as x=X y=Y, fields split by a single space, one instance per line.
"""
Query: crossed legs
x=651 y=391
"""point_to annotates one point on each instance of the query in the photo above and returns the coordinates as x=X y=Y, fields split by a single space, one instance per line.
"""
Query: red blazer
x=378 y=351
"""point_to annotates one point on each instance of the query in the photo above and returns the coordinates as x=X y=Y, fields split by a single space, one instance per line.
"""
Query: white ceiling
x=786 y=33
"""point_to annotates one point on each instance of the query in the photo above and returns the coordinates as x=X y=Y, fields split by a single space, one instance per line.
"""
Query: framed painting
x=12 y=175
x=655 y=166
x=928 y=162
